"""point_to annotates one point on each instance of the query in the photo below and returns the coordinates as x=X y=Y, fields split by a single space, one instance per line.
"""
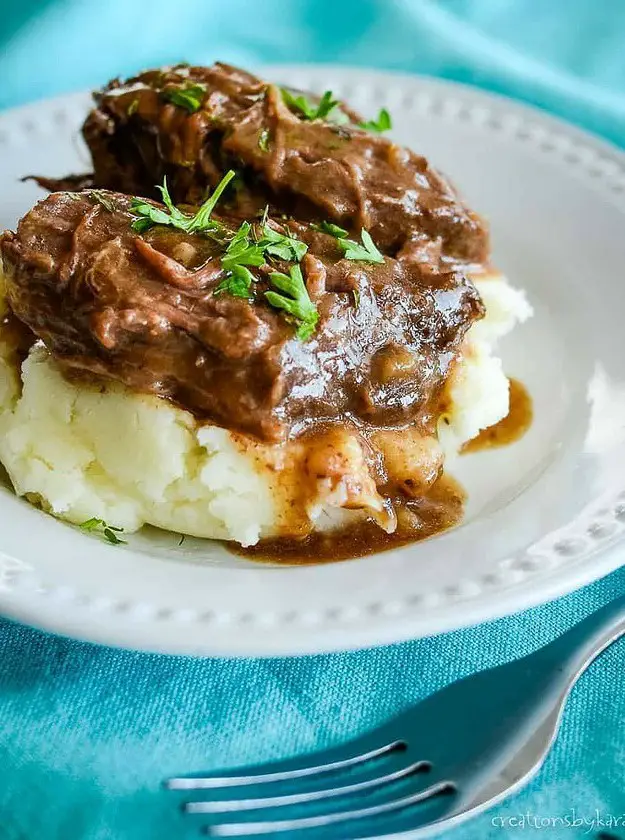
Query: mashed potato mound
x=83 y=451
x=478 y=392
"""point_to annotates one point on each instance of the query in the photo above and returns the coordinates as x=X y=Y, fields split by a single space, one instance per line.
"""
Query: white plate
x=545 y=515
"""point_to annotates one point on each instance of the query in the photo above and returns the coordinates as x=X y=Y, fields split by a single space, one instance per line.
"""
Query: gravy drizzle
x=440 y=508
x=510 y=428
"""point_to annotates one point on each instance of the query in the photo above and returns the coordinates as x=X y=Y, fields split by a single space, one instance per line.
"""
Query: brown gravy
x=510 y=428
x=439 y=509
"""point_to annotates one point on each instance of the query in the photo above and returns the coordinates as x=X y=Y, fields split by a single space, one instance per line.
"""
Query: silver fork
x=447 y=758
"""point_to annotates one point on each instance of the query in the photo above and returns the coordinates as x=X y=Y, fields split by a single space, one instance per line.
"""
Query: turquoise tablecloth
x=86 y=733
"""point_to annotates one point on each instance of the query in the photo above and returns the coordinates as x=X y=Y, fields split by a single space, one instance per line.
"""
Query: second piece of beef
x=312 y=169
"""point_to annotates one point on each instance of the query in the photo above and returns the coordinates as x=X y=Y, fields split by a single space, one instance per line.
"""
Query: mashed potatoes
x=132 y=459
x=478 y=391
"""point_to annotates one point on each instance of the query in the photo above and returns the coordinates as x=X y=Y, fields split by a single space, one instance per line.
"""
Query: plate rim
x=124 y=632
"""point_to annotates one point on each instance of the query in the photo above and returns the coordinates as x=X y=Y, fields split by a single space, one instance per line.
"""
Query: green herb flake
x=109 y=532
x=307 y=108
x=283 y=246
x=383 y=122
x=367 y=252
x=292 y=297
x=102 y=198
x=331 y=229
x=242 y=251
x=189 y=96
x=263 y=140
x=246 y=248
x=112 y=537
x=132 y=108
x=356 y=294
x=182 y=539
x=326 y=105
x=238 y=282
x=92 y=524
x=149 y=214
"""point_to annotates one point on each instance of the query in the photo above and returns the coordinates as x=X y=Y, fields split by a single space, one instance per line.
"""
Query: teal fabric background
x=87 y=733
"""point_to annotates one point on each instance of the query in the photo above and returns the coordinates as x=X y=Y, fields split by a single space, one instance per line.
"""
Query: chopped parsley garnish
x=332 y=229
x=327 y=108
x=132 y=107
x=101 y=198
x=280 y=245
x=292 y=297
x=263 y=140
x=109 y=532
x=190 y=96
x=238 y=282
x=92 y=524
x=149 y=215
x=383 y=122
x=356 y=294
x=307 y=108
x=367 y=252
x=242 y=251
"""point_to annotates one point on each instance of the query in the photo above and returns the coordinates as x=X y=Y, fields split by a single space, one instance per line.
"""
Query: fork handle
x=574 y=650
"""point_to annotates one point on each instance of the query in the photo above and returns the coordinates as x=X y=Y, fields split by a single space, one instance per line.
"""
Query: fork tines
x=256 y=803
